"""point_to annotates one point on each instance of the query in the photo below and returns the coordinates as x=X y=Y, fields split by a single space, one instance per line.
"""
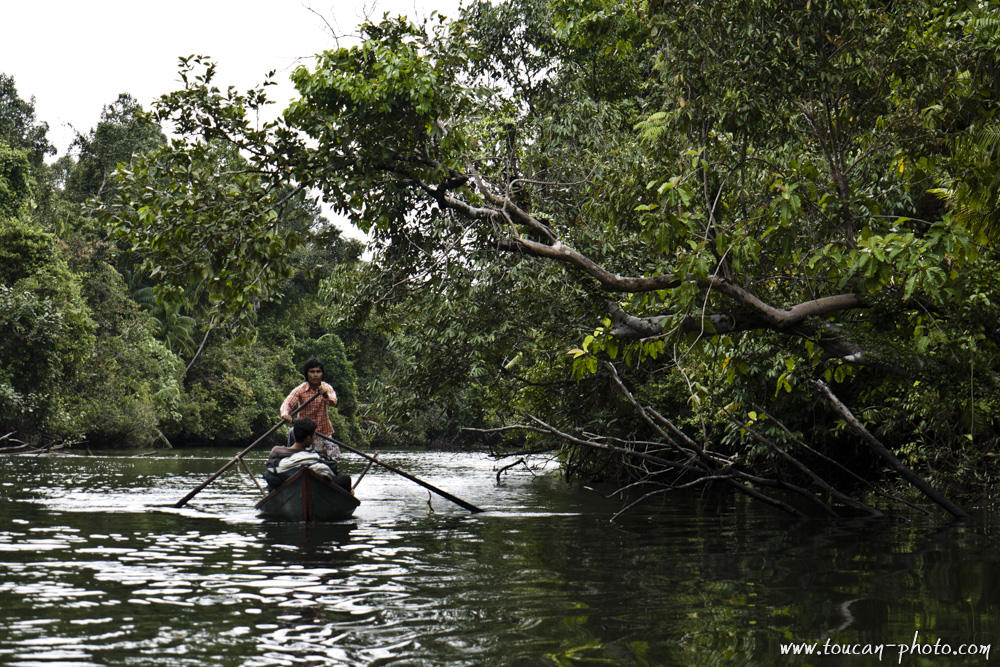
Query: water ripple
x=97 y=568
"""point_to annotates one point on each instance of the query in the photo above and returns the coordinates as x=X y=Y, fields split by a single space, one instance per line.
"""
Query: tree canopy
x=98 y=348
x=750 y=241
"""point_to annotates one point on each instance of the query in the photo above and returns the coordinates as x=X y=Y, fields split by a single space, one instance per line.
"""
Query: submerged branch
x=823 y=485
x=887 y=455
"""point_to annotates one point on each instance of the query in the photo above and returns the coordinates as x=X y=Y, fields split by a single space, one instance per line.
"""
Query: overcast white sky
x=76 y=56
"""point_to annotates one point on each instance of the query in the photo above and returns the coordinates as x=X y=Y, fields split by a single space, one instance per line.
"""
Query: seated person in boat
x=316 y=409
x=283 y=462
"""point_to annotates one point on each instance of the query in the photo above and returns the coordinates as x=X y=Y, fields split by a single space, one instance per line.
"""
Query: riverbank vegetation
x=93 y=353
x=747 y=243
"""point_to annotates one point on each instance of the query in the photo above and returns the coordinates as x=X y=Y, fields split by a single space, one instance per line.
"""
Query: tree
x=252 y=252
x=216 y=203
x=974 y=188
x=15 y=182
x=787 y=209
x=131 y=383
x=19 y=128
x=123 y=132
x=49 y=332
x=749 y=190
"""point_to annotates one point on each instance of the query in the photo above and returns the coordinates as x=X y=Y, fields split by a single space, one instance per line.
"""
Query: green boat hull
x=308 y=496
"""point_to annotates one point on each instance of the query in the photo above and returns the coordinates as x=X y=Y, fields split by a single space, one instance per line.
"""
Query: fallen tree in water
x=676 y=462
x=11 y=445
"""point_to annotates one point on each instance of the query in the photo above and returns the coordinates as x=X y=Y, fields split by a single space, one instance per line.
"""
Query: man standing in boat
x=316 y=410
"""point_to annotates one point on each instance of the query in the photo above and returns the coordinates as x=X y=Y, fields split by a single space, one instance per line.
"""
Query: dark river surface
x=97 y=569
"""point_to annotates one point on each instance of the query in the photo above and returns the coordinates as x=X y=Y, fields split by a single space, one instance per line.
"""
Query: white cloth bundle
x=304 y=459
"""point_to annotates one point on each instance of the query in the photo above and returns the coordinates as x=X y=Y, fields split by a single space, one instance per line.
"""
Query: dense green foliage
x=656 y=227
x=19 y=128
x=98 y=347
x=757 y=195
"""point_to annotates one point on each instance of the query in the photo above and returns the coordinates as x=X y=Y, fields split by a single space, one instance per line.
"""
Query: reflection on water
x=97 y=568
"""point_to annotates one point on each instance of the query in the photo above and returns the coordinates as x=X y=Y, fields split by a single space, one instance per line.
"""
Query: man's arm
x=328 y=391
x=288 y=404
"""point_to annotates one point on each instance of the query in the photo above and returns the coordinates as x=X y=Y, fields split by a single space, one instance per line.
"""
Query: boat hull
x=308 y=496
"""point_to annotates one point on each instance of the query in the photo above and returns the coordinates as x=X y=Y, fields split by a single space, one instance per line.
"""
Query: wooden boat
x=308 y=496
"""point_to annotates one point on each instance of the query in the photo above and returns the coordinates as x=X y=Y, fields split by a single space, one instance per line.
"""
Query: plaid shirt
x=316 y=410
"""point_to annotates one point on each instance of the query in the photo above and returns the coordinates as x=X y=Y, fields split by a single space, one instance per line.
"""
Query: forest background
x=678 y=243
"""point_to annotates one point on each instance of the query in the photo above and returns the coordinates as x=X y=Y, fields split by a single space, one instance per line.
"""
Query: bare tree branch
x=887 y=455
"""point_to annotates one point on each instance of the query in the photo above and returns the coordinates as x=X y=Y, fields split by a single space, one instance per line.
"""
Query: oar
x=183 y=501
x=354 y=484
x=444 y=494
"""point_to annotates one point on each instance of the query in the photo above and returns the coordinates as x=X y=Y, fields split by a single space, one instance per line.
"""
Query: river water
x=96 y=568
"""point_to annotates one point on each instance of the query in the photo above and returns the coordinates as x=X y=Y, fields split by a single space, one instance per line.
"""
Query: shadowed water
x=96 y=568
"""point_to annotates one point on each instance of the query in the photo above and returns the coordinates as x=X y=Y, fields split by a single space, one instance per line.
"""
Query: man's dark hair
x=302 y=428
x=313 y=362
